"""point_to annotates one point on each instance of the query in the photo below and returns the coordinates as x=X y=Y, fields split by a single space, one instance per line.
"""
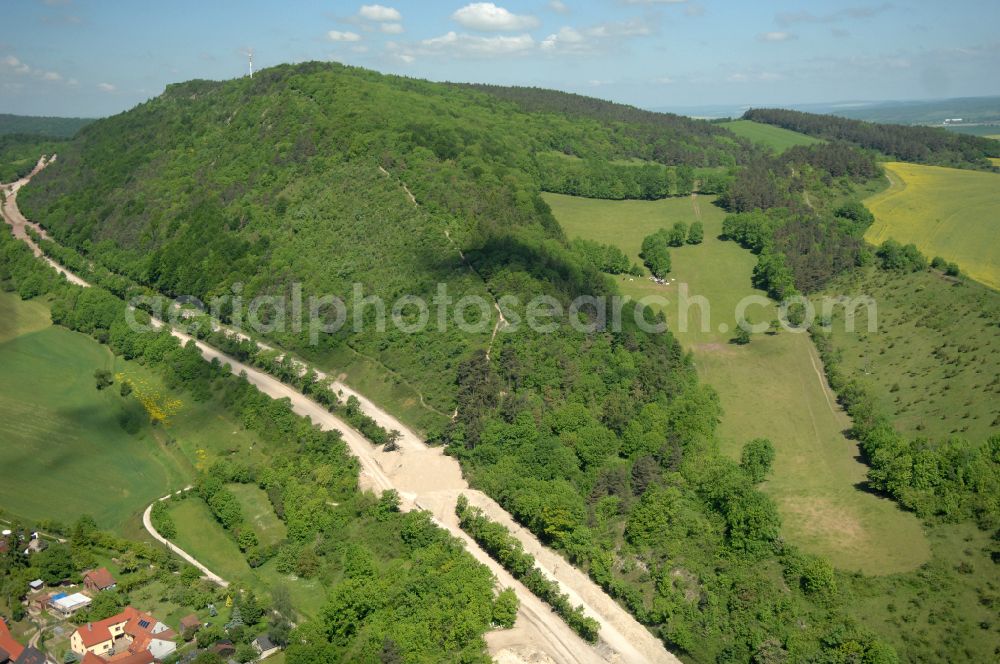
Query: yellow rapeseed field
x=946 y=212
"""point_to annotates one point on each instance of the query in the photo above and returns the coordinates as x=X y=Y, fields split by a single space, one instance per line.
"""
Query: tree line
x=922 y=145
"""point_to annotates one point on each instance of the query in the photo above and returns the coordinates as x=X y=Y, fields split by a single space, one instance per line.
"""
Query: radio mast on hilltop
x=249 y=53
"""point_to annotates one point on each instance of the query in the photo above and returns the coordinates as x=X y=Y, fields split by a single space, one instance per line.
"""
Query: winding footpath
x=147 y=523
x=428 y=479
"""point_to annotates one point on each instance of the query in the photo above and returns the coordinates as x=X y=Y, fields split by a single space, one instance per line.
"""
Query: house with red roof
x=131 y=637
x=12 y=652
x=97 y=580
x=10 y=649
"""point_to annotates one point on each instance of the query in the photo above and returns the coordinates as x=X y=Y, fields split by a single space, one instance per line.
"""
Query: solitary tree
x=696 y=233
x=505 y=608
x=103 y=378
x=757 y=457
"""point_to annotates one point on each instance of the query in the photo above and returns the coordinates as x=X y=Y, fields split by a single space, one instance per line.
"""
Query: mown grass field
x=64 y=438
x=776 y=138
x=934 y=359
x=946 y=212
x=774 y=387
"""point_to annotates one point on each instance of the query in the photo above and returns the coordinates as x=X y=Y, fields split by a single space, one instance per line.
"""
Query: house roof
x=91 y=658
x=100 y=577
x=264 y=643
x=70 y=602
x=31 y=656
x=144 y=657
x=7 y=642
x=140 y=626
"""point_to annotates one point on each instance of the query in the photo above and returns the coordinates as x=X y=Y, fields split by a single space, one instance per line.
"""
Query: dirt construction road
x=427 y=479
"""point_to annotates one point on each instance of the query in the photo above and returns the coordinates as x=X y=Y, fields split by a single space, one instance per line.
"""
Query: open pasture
x=774 y=387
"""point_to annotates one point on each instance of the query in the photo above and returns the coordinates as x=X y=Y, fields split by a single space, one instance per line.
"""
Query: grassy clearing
x=773 y=387
x=776 y=138
x=944 y=211
x=258 y=511
x=200 y=534
x=934 y=359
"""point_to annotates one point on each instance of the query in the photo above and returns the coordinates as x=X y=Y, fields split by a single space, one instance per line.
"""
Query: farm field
x=777 y=138
x=946 y=212
x=774 y=387
x=934 y=360
x=61 y=434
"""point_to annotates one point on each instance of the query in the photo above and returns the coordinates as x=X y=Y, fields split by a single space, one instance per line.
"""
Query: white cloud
x=654 y=2
x=776 y=36
x=392 y=28
x=558 y=6
x=592 y=39
x=15 y=64
x=380 y=13
x=106 y=87
x=487 y=17
x=567 y=39
x=338 y=36
x=454 y=43
x=663 y=80
x=407 y=58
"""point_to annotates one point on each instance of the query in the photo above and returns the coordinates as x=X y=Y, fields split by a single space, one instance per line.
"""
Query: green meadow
x=62 y=438
x=200 y=534
x=946 y=212
x=92 y=448
x=933 y=359
x=774 y=387
x=776 y=138
x=259 y=513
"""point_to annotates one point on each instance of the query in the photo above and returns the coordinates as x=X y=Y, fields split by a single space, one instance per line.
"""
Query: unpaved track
x=427 y=479
x=147 y=523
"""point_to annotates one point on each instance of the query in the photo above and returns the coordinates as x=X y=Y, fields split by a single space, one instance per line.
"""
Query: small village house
x=98 y=580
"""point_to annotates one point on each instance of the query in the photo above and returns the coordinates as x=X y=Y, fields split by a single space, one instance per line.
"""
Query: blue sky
x=98 y=57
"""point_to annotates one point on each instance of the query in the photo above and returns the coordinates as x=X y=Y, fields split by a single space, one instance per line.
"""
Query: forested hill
x=275 y=180
x=923 y=145
x=663 y=137
x=603 y=444
x=41 y=126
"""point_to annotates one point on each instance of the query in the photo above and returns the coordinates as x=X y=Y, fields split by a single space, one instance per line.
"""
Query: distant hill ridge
x=52 y=127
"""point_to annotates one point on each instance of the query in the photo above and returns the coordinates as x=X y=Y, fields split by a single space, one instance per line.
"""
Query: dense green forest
x=923 y=145
x=374 y=558
x=602 y=443
x=20 y=152
x=49 y=127
x=661 y=137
